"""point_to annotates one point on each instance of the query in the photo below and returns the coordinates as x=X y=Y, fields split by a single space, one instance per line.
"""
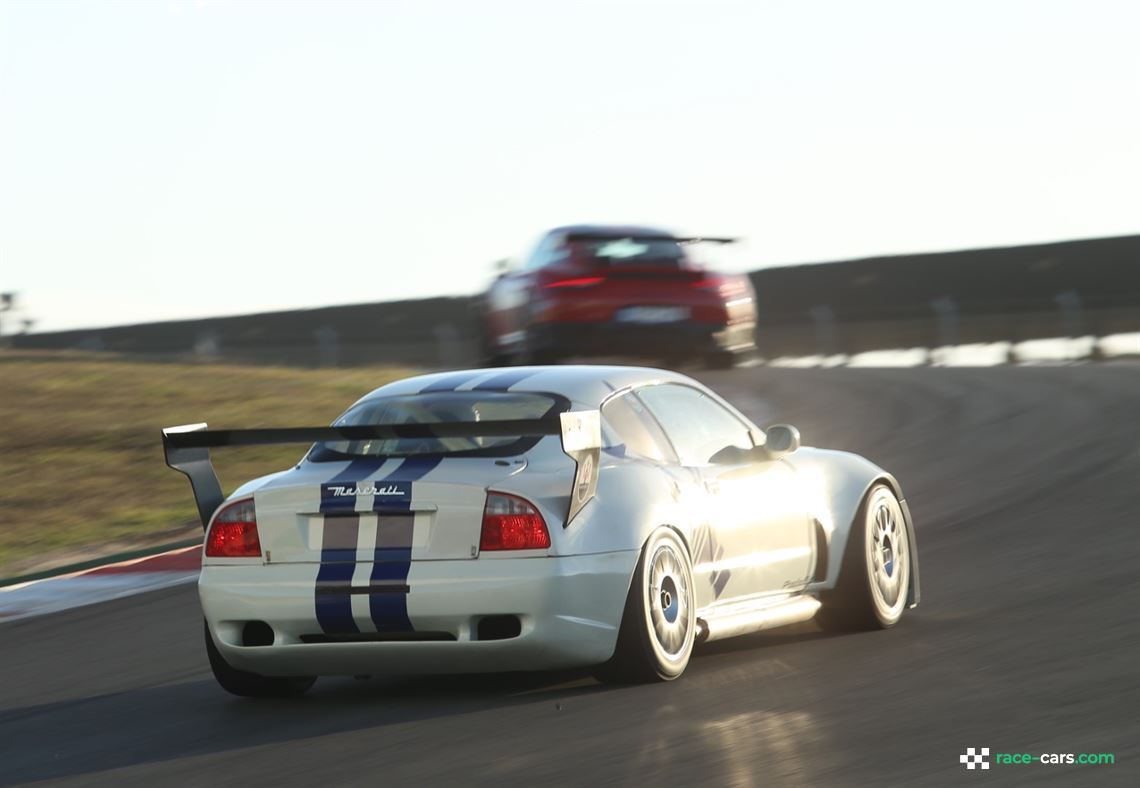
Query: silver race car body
x=497 y=519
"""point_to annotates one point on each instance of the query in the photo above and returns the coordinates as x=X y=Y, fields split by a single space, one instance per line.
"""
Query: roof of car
x=583 y=385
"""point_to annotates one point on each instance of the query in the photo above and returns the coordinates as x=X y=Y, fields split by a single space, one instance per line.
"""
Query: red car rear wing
x=681 y=239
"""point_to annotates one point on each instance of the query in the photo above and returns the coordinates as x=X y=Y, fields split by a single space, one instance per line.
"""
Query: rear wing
x=187 y=447
x=618 y=236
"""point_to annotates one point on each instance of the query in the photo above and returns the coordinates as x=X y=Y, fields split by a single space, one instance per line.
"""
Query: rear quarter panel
x=633 y=499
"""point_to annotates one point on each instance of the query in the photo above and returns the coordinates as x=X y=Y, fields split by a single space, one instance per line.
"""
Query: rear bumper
x=633 y=339
x=569 y=609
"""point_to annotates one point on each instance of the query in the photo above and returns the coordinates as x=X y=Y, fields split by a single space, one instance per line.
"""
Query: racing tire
x=496 y=360
x=253 y=685
x=659 y=622
x=720 y=359
x=531 y=356
x=536 y=348
x=874 y=578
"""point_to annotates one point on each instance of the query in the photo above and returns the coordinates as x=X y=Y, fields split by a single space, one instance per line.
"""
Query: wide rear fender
x=837 y=482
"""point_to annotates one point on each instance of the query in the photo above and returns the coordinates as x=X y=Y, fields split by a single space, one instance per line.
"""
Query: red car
x=610 y=290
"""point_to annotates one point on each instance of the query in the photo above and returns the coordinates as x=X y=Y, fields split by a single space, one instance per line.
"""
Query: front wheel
x=874 y=578
x=253 y=685
x=659 y=624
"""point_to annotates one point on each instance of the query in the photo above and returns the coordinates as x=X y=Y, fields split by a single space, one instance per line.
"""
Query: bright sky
x=177 y=159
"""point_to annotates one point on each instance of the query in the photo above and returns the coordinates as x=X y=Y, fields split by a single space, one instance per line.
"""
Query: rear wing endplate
x=194 y=461
x=187 y=447
x=582 y=440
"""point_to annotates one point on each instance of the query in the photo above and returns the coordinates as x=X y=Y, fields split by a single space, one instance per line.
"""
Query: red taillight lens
x=709 y=283
x=233 y=533
x=581 y=281
x=510 y=523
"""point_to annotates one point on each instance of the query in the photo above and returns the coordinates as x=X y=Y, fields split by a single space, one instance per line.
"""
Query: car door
x=754 y=535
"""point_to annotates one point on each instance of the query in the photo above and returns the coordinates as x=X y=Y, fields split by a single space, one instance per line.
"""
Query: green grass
x=81 y=466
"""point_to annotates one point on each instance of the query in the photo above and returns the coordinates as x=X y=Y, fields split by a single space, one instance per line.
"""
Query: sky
x=182 y=158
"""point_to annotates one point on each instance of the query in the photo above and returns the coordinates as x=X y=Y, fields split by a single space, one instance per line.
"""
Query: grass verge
x=81 y=466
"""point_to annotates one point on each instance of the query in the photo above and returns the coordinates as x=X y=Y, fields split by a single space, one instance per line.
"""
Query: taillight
x=233 y=533
x=581 y=281
x=510 y=523
x=709 y=283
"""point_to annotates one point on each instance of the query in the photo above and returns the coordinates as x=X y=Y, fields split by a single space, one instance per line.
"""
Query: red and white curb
x=99 y=584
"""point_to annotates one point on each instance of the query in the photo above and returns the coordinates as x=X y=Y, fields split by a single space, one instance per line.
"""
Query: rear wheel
x=659 y=623
x=535 y=350
x=495 y=359
x=253 y=685
x=874 y=578
x=720 y=359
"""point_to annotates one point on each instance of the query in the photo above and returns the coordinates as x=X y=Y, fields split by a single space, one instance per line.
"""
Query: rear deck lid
x=407 y=508
x=377 y=499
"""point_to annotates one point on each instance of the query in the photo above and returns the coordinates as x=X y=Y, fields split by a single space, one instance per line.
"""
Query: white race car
x=535 y=518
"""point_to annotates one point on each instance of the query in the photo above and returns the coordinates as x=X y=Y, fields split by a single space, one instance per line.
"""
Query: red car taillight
x=233 y=533
x=708 y=283
x=510 y=523
x=581 y=281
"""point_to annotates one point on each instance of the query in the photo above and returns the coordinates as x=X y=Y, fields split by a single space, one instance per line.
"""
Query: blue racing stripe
x=357 y=470
x=393 y=557
x=504 y=380
x=332 y=597
x=449 y=382
x=334 y=503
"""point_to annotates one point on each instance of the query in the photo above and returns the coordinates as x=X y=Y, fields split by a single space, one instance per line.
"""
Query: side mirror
x=782 y=439
x=502 y=266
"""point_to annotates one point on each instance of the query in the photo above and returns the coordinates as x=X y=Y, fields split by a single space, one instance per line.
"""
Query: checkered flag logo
x=975 y=758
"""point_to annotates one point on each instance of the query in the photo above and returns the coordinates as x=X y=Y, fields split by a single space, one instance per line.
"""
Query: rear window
x=658 y=252
x=435 y=407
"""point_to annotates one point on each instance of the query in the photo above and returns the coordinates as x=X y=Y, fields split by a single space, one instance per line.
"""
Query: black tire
x=859 y=602
x=643 y=654
x=496 y=360
x=542 y=358
x=253 y=685
x=488 y=347
x=535 y=352
x=720 y=359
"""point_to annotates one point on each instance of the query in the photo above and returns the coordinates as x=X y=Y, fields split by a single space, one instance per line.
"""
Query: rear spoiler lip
x=187 y=447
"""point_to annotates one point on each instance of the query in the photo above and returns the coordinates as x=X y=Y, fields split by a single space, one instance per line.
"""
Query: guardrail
x=1073 y=288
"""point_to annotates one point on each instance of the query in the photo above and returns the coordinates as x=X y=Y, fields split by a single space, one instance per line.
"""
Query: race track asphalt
x=1024 y=485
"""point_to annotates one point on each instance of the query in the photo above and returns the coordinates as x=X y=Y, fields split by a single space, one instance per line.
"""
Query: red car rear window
x=630 y=252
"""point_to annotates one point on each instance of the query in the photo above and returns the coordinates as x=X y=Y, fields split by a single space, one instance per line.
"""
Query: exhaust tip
x=256 y=633
x=498 y=628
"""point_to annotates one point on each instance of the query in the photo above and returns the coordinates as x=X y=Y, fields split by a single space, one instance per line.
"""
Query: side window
x=629 y=429
x=531 y=257
x=697 y=425
x=549 y=250
x=559 y=251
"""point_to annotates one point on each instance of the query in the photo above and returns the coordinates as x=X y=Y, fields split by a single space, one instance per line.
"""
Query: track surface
x=1023 y=483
